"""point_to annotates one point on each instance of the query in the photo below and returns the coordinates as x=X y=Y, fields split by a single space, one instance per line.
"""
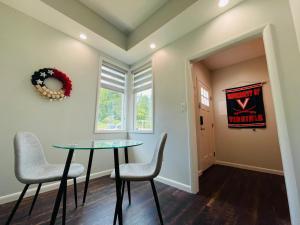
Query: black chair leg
x=35 y=197
x=75 y=191
x=157 y=202
x=115 y=216
x=64 y=206
x=128 y=182
x=88 y=173
x=129 y=194
x=17 y=204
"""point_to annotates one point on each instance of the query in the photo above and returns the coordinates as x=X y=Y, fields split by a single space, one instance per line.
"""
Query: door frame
x=267 y=33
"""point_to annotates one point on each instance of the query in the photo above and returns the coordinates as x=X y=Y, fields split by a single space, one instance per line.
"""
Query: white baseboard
x=50 y=187
x=55 y=185
x=248 y=167
x=173 y=183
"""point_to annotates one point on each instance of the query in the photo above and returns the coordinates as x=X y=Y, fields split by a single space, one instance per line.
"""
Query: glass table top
x=99 y=144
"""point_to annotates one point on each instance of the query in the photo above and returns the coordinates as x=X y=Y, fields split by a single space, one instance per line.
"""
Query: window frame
x=137 y=67
x=125 y=98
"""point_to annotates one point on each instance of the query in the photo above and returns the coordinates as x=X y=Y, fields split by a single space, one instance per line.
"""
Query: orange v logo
x=243 y=104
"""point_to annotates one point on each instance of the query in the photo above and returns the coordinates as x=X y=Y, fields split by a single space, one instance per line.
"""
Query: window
x=111 y=98
x=143 y=98
x=204 y=97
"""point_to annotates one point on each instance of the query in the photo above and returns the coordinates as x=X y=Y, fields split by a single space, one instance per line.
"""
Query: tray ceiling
x=126 y=15
x=157 y=21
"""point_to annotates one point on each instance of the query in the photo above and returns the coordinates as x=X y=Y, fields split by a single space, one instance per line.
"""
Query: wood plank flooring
x=227 y=196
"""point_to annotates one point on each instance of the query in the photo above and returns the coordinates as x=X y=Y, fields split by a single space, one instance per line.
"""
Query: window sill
x=141 y=132
x=111 y=132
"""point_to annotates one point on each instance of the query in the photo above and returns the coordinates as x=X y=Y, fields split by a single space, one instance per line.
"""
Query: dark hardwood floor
x=227 y=196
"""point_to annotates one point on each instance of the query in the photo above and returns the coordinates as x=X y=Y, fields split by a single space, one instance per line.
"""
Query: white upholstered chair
x=144 y=172
x=31 y=167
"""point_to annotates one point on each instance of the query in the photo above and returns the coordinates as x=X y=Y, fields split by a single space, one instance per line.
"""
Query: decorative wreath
x=38 y=80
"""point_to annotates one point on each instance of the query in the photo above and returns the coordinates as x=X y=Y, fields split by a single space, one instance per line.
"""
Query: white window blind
x=113 y=77
x=142 y=79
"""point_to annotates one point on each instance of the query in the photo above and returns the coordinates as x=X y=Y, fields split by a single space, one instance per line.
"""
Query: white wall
x=295 y=8
x=259 y=148
x=170 y=68
x=27 y=45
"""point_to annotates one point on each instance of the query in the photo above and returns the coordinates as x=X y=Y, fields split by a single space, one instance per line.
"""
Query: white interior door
x=206 y=156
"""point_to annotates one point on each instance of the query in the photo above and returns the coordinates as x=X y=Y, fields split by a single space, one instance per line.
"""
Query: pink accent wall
x=258 y=148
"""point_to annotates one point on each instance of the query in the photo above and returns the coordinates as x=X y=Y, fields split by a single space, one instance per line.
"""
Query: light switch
x=182 y=107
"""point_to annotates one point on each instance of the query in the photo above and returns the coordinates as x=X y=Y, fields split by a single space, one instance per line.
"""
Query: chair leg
x=128 y=182
x=75 y=191
x=156 y=202
x=115 y=216
x=35 y=197
x=129 y=194
x=17 y=204
x=64 y=206
x=88 y=173
x=123 y=188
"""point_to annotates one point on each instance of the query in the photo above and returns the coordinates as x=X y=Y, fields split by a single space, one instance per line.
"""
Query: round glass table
x=91 y=146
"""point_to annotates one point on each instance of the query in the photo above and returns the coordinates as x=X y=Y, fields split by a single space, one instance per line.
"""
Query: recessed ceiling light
x=83 y=36
x=153 y=46
x=223 y=3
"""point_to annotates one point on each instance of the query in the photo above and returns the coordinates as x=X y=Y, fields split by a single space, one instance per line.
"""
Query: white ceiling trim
x=194 y=16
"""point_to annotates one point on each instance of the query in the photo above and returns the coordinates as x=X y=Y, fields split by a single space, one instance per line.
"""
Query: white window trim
x=125 y=109
x=132 y=96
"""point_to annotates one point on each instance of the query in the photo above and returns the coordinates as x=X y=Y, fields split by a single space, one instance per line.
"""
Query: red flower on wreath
x=67 y=83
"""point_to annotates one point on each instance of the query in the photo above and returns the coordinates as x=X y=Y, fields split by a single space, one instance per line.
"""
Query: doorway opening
x=240 y=142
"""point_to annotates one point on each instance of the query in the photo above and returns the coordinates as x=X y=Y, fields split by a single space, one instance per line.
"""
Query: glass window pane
x=143 y=110
x=204 y=97
x=205 y=93
x=110 y=111
x=202 y=100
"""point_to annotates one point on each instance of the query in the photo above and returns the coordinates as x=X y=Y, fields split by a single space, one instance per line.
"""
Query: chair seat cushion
x=135 y=172
x=51 y=172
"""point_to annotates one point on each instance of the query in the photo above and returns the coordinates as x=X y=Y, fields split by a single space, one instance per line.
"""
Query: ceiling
x=115 y=11
x=123 y=29
x=236 y=54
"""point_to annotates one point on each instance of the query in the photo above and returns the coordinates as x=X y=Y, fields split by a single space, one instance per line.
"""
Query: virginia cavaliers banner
x=245 y=107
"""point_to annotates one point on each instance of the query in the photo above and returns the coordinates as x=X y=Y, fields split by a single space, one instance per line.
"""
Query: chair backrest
x=157 y=159
x=29 y=154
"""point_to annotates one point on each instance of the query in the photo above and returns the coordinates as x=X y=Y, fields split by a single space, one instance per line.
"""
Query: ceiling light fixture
x=152 y=46
x=83 y=36
x=223 y=3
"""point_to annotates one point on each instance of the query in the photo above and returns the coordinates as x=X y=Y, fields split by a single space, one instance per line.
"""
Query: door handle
x=202 y=128
x=201 y=120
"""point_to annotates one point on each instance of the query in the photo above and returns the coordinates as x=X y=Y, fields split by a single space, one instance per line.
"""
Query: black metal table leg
x=122 y=195
x=62 y=186
x=118 y=186
x=88 y=173
x=126 y=155
x=128 y=182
